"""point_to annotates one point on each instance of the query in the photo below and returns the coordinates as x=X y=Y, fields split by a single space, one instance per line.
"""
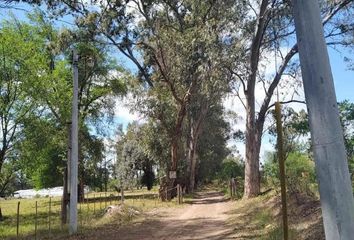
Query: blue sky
x=343 y=78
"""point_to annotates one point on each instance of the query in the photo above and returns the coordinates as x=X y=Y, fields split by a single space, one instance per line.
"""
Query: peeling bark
x=195 y=131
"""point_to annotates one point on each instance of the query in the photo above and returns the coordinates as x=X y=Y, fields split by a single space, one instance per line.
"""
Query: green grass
x=277 y=234
x=90 y=212
x=263 y=218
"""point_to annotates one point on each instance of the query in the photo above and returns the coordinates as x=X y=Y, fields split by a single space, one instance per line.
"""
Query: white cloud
x=123 y=112
x=288 y=89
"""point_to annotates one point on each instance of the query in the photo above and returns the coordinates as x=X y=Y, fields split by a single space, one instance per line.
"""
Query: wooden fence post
x=178 y=195
x=181 y=194
x=35 y=222
x=105 y=199
x=281 y=157
x=88 y=205
x=49 y=214
x=100 y=201
x=18 y=219
x=80 y=211
x=233 y=187
x=94 y=204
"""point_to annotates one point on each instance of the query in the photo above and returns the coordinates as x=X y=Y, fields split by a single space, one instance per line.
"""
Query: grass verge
x=90 y=213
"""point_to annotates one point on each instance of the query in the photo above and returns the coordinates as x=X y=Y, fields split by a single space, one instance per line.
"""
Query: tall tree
x=21 y=62
x=38 y=83
x=177 y=42
x=268 y=27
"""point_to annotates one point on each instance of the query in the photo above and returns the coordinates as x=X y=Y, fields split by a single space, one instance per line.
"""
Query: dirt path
x=205 y=217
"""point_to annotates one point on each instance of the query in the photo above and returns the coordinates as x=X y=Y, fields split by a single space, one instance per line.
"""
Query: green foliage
x=148 y=177
x=35 y=103
x=212 y=147
x=231 y=167
x=295 y=126
x=134 y=165
x=42 y=153
x=22 y=62
x=300 y=173
x=7 y=179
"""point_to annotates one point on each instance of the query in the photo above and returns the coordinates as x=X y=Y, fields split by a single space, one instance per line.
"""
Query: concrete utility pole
x=326 y=133
x=74 y=149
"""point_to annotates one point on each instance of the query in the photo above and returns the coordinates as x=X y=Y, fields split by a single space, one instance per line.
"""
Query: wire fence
x=40 y=218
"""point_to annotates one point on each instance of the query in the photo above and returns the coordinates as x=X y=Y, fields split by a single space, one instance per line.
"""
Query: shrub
x=300 y=173
x=232 y=168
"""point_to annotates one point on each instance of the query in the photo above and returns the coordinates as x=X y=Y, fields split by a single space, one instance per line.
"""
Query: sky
x=343 y=81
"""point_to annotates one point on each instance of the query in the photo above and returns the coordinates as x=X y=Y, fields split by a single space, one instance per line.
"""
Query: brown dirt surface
x=209 y=215
x=204 y=217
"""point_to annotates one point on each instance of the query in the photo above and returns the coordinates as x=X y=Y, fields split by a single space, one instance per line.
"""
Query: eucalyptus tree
x=168 y=41
x=176 y=42
x=212 y=148
x=202 y=105
x=266 y=32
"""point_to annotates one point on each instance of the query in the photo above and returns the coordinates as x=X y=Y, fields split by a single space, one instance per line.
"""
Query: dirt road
x=205 y=217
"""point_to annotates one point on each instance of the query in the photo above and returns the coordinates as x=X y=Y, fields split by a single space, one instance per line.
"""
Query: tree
x=267 y=26
x=346 y=113
x=212 y=149
x=172 y=45
x=132 y=159
x=100 y=81
x=214 y=84
x=36 y=80
x=295 y=125
x=21 y=63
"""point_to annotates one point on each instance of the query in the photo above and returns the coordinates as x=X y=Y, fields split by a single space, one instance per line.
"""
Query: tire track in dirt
x=205 y=217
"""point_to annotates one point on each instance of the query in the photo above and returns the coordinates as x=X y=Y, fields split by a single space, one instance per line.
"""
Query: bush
x=300 y=173
x=232 y=168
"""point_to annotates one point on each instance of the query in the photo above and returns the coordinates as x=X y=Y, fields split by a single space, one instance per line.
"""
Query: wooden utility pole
x=74 y=149
x=326 y=133
x=281 y=158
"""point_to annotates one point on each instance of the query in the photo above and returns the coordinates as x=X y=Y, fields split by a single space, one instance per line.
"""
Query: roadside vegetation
x=169 y=92
x=92 y=213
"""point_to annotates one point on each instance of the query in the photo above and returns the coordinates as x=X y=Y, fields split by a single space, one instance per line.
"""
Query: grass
x=256 y=219
x=89 y=212
x=276 y=233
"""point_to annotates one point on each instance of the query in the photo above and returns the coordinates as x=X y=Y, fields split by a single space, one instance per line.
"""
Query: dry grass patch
x=260 y=218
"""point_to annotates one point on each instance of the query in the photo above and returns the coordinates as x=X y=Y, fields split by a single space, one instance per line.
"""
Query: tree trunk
x=174 y=155
x=122 y=193
x=253 y=145
x=252 y=183
x=174 y=159
x=193 y=160
x=195 y=131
